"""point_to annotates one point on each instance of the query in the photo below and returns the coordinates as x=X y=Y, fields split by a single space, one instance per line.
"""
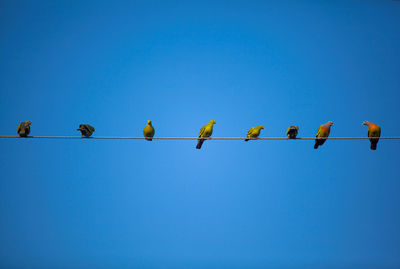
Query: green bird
x=254 y=132
x=323 y=132
x=24 y=128
x=205 y=131
x=292 y=131
x=86 y=130
x=374 y=132
x=148 y=131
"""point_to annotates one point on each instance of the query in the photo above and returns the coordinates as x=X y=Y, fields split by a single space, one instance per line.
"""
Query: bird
x=86 y=130
x=374 y=132
x=24 y=128
x=205 y=131
x=148 y=131
x=254 y=132
x=292 y=131
x=323 y=132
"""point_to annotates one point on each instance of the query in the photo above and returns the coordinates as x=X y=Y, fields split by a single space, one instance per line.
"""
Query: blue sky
x=164 y=204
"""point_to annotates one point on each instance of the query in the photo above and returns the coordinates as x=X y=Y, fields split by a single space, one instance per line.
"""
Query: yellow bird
x=206 y=131
x=322 y=134
x=254 y=132
x=149 y=131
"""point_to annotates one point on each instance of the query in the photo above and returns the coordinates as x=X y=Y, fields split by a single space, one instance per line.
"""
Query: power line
x=195 y=138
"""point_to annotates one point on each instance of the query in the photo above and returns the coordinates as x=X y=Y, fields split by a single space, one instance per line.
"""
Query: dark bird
x=24 y=128
x=292 y=131
x=86 y=130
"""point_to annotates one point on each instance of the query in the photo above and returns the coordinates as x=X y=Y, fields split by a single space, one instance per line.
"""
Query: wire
x=195 y=138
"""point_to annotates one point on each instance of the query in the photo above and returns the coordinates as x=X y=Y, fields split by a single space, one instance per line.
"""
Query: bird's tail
x=374 y=143
x=316 y=144
x=22 y=133
x=246 y=139
x=199 y=143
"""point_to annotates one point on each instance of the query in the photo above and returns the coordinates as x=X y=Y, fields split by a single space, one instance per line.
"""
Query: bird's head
x=330 y=123
x=29 y=122
x=297 y=127
x=366 y=122
x=149 y=122
x=80 y=127
x=212 y=122
x=262 y=127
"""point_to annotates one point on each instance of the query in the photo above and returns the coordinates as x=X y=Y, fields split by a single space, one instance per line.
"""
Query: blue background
x=164 y=204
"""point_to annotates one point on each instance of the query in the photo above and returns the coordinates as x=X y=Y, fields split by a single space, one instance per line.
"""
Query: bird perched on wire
x=374 y=132
x=292 y=131
x=148 y=131
x=24 y=128
x=254 y=132
x=86 y=130
x=322 y=134
x=205 y=131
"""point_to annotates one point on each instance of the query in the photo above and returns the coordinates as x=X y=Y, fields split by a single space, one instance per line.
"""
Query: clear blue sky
x=164 y=204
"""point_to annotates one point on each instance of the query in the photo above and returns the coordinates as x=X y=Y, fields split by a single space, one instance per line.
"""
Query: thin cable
x=194 y=138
